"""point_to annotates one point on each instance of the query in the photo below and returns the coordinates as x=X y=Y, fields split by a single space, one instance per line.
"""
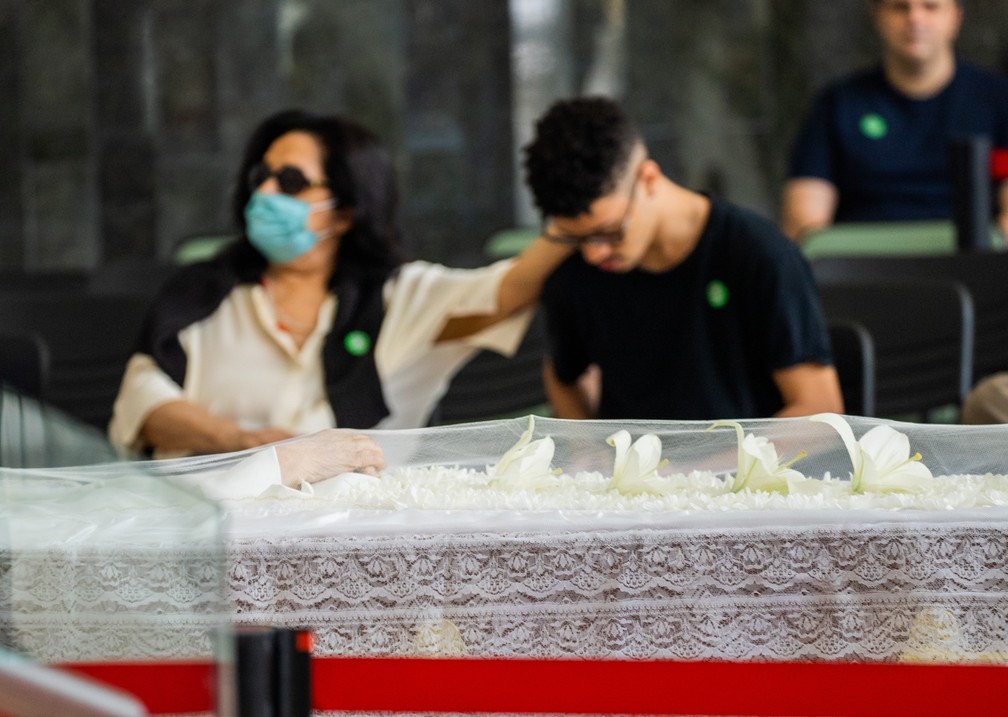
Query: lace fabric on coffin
x=865 y=584
x=808 y=594
x=106 y=562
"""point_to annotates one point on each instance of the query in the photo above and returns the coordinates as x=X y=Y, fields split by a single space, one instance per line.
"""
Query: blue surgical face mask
x=277 y=225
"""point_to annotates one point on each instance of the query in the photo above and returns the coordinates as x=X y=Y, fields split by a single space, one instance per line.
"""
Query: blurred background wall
x=122 y=121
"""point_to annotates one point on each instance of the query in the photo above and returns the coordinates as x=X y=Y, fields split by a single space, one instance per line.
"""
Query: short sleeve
x=788 y=313
x=999 y=100
x=565 y=344
x=812 y=154
x=144 y=387
x=423 y=297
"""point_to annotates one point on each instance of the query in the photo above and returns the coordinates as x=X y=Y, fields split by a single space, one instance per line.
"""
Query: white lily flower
x=635 y=466
x=759 y=468
x=881 y=460
x=526 y=465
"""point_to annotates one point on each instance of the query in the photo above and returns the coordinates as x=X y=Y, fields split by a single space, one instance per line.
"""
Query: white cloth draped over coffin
x=763 y=580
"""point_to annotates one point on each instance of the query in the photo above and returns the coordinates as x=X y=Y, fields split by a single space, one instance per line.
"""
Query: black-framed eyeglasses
x=290 y=179
x=609 y=238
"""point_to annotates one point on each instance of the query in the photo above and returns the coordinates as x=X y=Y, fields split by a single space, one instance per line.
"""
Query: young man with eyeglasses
x=689 y=307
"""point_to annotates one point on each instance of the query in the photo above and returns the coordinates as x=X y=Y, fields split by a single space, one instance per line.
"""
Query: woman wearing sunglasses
x=312 y=319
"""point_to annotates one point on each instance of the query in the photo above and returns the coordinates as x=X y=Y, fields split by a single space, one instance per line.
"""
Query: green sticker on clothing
x=874 y=126
x=717 y=294
x=357 y=343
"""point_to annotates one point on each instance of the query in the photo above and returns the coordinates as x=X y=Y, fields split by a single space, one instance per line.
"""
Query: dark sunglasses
x=291 y=180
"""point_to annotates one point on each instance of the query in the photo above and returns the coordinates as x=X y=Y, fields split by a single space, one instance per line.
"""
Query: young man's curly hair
x=581 y=149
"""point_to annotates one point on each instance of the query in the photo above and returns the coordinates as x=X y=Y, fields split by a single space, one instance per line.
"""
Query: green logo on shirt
x=873 y=126
x=357 y=343
x=717 y=294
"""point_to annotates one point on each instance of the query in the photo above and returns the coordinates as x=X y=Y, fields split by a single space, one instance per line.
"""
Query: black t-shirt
x=700 y=341
x=888 y=154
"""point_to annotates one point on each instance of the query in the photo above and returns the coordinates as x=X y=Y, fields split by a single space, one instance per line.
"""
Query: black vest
x=352 y=384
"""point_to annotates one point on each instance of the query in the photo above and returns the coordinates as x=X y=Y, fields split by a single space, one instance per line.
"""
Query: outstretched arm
x=519 y=289
x=309 y=459
x=328 y=453
x=808 y=203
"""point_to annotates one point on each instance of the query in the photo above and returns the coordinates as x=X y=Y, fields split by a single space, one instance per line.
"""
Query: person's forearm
x=810 y=408
x=519 y=288
x=1002 y=214
x=568 y=400
x=182 y=426
x=807 y=204
x=522 y=284
x=808 y=389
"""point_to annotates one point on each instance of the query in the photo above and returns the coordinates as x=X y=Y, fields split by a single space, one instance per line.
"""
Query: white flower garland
x=884 y=476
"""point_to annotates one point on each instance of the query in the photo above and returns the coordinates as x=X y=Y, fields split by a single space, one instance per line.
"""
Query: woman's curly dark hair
x=360 y=177
x=580 y=151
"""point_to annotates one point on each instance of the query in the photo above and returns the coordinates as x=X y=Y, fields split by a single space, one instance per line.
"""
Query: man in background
x=875 y=146
x=689 y=307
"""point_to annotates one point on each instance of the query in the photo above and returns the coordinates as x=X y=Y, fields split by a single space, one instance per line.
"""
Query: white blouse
x=239 y=364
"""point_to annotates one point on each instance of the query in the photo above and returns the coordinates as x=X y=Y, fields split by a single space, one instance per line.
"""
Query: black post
x=292 y=686
x=969 y=162
x=273 y=671
x=255 y=658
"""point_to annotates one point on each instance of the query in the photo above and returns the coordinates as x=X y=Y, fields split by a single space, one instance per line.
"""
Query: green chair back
x=199 y=248
x=509 y=242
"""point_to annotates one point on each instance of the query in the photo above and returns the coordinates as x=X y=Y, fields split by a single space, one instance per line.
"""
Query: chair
x=24 y=363
x=923 y=340
x=200 y=248
x=132 y=276
x=18 y=282
x=854 y=359
x=985 y=276
x=494 y=386
x=89 y=338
